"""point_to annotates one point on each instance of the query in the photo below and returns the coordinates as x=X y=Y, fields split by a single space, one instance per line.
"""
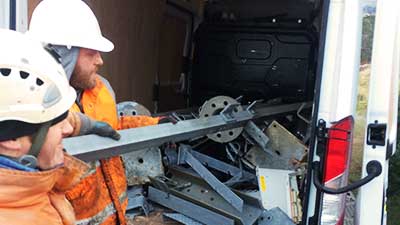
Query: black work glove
x=104 y=130
x=90 y=126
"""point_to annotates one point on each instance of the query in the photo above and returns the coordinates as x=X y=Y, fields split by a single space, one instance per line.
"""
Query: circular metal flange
x=130 y=108
x=213 y=107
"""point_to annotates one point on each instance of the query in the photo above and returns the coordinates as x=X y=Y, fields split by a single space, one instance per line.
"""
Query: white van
x=291 y=50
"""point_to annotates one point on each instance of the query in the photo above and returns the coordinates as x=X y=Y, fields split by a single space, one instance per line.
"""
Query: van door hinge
x=376 y=134
x=322 y=137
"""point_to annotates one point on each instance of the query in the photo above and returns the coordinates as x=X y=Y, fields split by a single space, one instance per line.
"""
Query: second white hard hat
x=69 y=23
x=33 y=84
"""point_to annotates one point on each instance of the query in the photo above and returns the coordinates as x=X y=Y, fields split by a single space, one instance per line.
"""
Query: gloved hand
x=104 y=130
x=84 y=125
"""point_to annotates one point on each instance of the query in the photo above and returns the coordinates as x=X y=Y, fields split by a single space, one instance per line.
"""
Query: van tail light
x=336 y=171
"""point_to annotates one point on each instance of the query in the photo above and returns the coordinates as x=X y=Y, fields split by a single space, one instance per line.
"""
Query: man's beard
x=82 y=81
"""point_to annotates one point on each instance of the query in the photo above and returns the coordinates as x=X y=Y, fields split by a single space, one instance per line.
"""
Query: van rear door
x=381 y=127
x=335 y=108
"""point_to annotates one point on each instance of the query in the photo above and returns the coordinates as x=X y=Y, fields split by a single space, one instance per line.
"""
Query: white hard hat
x=69 y=23
x=33 y=84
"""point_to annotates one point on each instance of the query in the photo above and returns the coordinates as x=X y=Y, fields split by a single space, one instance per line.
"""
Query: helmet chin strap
x=38 y=139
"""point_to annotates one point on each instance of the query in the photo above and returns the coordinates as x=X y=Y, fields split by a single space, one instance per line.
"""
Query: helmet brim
x=102 y=44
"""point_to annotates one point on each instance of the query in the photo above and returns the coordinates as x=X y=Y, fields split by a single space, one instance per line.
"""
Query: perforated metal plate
x=213 y=107
x=140 y=165
x=289 y=149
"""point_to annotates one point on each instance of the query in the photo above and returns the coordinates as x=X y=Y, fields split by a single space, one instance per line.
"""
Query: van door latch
x=376 y=134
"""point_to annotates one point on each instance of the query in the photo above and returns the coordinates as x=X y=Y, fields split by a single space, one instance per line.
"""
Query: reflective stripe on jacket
x=100 y=198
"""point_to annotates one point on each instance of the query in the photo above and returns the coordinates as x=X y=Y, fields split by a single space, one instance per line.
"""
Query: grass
x=359 y=126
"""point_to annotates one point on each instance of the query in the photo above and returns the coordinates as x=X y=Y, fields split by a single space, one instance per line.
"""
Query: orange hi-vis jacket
x=39 y=197
x=100 y=198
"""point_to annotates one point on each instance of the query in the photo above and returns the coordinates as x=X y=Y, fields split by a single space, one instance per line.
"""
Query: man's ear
x=13 y=144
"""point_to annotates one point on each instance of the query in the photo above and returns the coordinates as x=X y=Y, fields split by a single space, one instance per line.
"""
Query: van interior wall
x=172 y=40
x=260 y=9
x=148 y=43
x=134 y=27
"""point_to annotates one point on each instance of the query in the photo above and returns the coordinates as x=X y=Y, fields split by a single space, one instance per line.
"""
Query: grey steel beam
x=259 y=137
x=222 y=166
x=181 y=219
x=136 y=199
x=238 y=175
x=92 y=147
x=201 y=194
x=186 y=157
x=187 y=208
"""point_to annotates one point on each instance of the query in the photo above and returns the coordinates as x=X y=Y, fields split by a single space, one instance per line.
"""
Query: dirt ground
x=155 y=218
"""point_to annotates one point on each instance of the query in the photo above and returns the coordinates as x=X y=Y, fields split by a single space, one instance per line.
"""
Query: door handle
x=374 y=169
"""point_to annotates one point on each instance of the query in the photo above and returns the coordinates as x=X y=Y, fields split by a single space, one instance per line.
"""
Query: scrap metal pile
x=225 y=164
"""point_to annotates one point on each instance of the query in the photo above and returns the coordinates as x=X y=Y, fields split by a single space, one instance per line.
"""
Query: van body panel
x=382 y=109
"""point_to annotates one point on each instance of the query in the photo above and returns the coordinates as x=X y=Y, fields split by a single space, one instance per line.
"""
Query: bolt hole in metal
x=211 y=199
x=216 y=112
x=278 y=153
x=188 y=190
x=140 y=160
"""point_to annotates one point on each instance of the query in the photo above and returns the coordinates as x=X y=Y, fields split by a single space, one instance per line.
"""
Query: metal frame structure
x=186 y=185
x=92 y=147
x=187 y=208
x=186 y=157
